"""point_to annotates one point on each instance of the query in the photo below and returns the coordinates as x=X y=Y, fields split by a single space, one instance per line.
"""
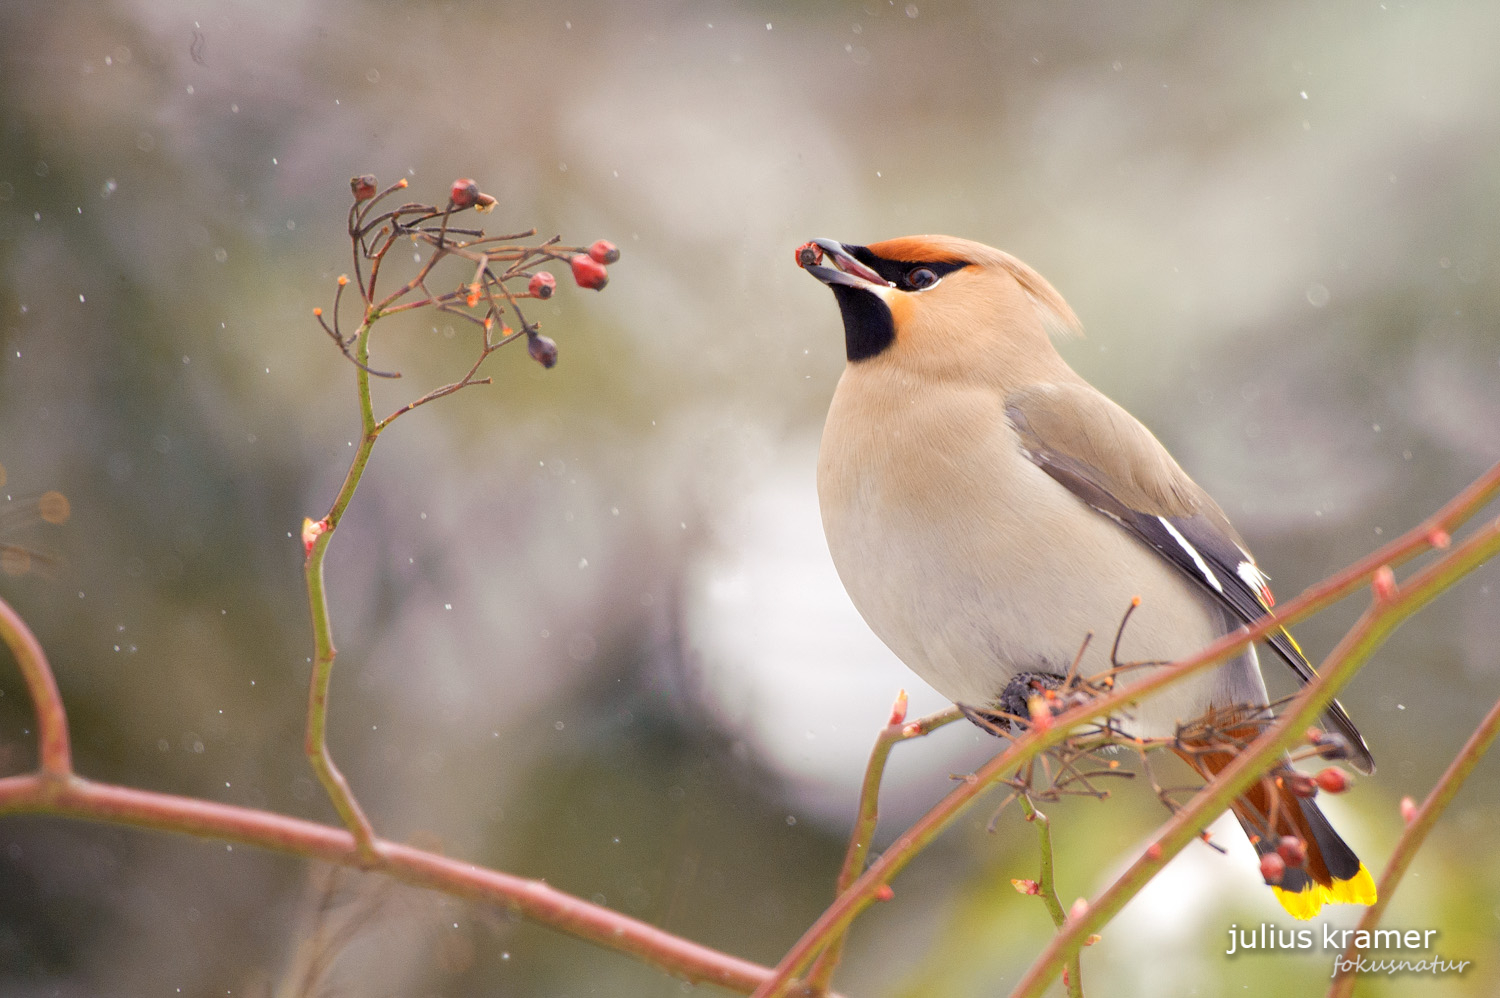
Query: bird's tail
x=1323 y=870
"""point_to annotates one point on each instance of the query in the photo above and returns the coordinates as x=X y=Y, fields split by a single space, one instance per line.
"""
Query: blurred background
x=588 y=626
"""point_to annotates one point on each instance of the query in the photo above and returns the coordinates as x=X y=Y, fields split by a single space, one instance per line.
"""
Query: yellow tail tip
x=1304 y=904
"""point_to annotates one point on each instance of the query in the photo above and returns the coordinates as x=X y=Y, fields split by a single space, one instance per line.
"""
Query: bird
x=988 y=510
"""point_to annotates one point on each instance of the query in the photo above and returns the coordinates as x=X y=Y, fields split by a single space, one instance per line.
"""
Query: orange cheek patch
x=900 y=306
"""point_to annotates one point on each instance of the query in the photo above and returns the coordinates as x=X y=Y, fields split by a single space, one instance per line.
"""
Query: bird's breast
x=968 y=560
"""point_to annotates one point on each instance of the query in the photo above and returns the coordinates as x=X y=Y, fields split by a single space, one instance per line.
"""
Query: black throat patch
x=868 y=325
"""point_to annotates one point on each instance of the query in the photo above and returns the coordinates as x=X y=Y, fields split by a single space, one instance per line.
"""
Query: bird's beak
x=846 y=270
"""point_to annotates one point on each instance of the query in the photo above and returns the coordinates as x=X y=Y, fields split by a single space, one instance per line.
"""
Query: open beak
x=814 y=256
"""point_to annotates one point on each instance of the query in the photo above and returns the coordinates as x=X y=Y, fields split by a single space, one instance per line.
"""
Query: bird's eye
x=921 y=278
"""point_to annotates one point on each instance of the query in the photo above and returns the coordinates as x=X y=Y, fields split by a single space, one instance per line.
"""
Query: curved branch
x=53 y=747
x=76 y=797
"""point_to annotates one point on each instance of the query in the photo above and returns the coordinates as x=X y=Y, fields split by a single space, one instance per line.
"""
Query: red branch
x=76 y=797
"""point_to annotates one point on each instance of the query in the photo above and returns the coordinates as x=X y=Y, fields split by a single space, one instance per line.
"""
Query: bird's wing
x=1103 y=455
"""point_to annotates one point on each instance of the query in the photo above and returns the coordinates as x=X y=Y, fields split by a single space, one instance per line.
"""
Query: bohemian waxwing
x=988 y=510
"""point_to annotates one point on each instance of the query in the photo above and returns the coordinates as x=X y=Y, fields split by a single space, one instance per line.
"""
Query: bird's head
x=936 y=301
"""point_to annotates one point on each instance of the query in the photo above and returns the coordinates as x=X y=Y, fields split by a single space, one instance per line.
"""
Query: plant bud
x=465 y=193
x=1272 y=868
x=1300 y=784
x=588 y=272
x=363 y=186
x=1333 y=780
x=542 y=285
x=1291 y=850
x=1408 y=810
x=542 y=349
x=604 y=251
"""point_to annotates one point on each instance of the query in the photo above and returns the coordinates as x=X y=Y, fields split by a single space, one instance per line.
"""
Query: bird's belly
x=968 y=590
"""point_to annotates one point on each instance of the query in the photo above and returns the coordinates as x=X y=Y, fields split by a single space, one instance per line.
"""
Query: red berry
x=542 y=349
x=809 y=255
x=1272 y=868
x=604 y=251
x=588 y=272
x=1291 y=850
x=465 y=193
x=1333 y=780
x=542 y=285
x=363 y=187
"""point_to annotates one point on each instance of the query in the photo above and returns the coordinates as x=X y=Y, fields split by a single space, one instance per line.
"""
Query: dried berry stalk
x=500 y=272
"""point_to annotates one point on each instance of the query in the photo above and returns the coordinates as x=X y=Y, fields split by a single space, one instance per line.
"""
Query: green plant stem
x=324 y=652
x=1431 y=533
x=818 y=978
x=1352 y=651
x=1047 y=889
x=1415 y=834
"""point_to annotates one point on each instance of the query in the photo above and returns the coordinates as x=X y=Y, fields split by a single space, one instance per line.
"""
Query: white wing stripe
x=1208 y=574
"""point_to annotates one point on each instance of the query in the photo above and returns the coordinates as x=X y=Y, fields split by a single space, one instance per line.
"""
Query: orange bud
x=1091 y=940
x=311 y=531
x=401 y=182
x=343 y=279
x=1439 y=538
x=588 y=272
x=1384 y=584
x=884 y=893
x=604 y=251
x=54 y=507
x=1153 y=851
x=317 y=312
x=898 y=709
x=1041 y=714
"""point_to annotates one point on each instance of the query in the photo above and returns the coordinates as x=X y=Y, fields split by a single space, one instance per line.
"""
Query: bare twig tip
x=1383 y=582
x=898 y=709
